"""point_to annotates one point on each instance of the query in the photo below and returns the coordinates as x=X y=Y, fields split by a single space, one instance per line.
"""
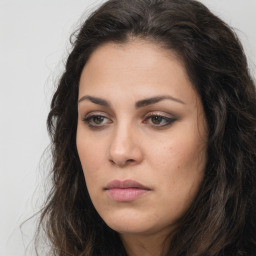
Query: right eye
x=96 y=121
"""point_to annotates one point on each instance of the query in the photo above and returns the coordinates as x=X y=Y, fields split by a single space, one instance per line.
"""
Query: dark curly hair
x=222 y=219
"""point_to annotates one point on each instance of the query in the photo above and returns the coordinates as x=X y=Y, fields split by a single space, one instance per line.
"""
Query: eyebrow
x=98 y=101
x=153 y=100
x=138 y=104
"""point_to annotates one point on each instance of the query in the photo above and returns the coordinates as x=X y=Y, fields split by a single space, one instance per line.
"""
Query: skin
x=129 y=142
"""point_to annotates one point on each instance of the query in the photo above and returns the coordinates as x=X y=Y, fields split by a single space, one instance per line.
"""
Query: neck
x=146 y=245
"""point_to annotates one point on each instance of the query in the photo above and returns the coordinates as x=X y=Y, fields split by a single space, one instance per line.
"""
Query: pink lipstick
x=125 y=191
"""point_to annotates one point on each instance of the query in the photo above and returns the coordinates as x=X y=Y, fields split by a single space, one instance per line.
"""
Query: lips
x=125 y=184
x=125 y=191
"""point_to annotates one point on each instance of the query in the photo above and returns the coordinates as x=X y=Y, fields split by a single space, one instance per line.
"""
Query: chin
x=133 y=223
x=126 y=228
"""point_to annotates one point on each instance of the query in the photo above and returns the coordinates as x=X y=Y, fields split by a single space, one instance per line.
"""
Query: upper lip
x=125 y=184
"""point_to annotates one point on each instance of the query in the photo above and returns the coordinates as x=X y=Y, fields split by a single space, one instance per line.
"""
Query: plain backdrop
x=34 y=42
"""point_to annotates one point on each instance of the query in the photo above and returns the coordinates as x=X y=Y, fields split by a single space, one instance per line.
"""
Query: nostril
x=121 y=163
x=111 y=161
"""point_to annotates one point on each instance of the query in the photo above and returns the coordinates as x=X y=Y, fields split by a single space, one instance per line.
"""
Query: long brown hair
x=222 y=218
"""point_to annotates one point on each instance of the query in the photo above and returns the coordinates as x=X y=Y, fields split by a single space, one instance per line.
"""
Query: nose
x=125 y=149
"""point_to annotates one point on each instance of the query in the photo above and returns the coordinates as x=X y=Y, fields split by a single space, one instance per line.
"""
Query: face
x=141 y=136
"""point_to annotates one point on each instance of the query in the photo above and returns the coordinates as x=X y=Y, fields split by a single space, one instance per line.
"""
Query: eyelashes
x=154 y=120
x=96 y=121
x=158 y=120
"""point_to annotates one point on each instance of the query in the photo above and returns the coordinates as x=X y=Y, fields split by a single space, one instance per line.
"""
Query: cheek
x=90 y=151
x=90 y=155
x=180 y=164
x=187 y=148
x=91 y=167
x=179 y=155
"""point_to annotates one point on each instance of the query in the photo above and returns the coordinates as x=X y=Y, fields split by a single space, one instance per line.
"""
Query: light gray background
x=33 y=45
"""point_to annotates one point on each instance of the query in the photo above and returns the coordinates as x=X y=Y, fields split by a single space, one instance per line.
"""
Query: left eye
x=96 y=120
x=158 y=120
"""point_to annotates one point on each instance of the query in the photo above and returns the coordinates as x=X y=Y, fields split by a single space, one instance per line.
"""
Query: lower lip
x=126 y=194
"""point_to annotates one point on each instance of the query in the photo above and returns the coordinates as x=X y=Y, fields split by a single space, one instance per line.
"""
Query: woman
x=153 y=136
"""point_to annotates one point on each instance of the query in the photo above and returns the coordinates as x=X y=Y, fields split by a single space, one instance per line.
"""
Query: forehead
x=135 y=53
x=138 y=67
